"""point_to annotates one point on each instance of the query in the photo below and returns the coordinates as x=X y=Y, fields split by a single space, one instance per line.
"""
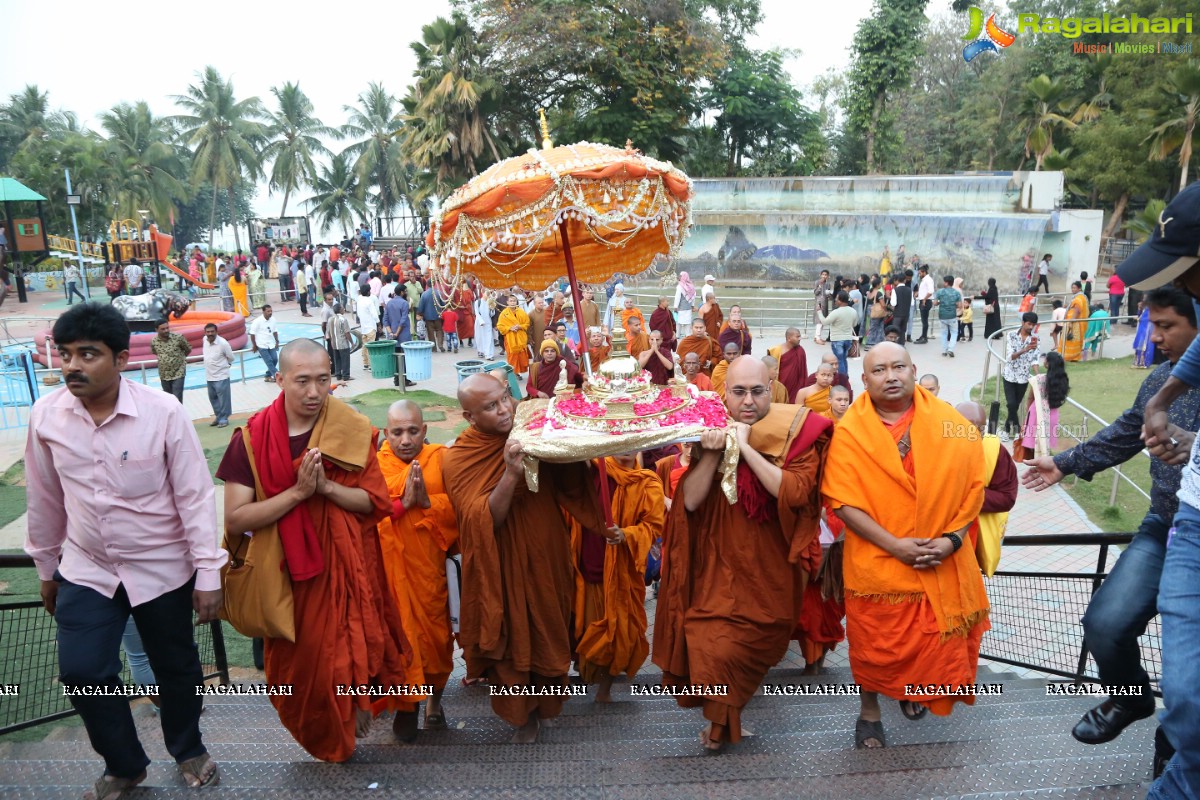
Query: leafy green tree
x=1045 y=109
x=27 y=118
x=378 y=159
x=226 y=134
x=338 y=196
x=1177 y=120
x=450 y=107
x=1142 y=224
x=147 y=169
x=883 y=54
x=294 y=135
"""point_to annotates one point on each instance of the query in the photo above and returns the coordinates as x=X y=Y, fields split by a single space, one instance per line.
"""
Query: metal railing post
x=1101 y=563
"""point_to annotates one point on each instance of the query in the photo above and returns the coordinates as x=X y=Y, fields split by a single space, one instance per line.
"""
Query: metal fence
x=1035 y=614
x=32 y=693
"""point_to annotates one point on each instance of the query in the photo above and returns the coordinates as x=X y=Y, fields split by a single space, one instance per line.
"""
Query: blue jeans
x=73 y=291
x=221 y=399
x=842 y=351
x=1123 y=606
x=135 y=653
x=1179 y=604
x=270 y=358
x=949 y=334
x=90 y=628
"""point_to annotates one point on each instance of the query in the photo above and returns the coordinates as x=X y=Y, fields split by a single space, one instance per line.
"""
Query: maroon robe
x=664 y=322
x=793 y=366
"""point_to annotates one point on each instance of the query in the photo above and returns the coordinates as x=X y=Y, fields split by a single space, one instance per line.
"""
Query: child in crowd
x=966 y=328
x=340 y=338
x=450 y=326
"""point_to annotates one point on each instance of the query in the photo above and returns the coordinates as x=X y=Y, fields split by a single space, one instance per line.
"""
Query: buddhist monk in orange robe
x=719 y=371
x=671 y=469
x=598 y=347
x=778 y=393
x=415 y=540
x=314 y=459
x=793 y=362
x=591 y=311
x=816 y=396
x=703 y=345
x=518 y=572
x=513 y=324
x=710 y=313
x=731 y=583
x=839 y=403
x=693 y=373
x=638 y=340
x=915 y=603
x=610 y=586
x=631 y=312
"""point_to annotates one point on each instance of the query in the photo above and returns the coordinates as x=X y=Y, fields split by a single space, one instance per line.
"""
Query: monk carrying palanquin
x=732 y=580
x=916 y=609
x=518 y=573
x=314 y=458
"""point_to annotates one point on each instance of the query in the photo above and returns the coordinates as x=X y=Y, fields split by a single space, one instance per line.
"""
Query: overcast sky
x=141 y=50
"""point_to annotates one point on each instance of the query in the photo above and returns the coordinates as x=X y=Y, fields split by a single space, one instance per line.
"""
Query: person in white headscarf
x=684 y=304
x=616 y=304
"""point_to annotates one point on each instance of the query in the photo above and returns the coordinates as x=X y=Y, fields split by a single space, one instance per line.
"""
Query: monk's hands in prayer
x=1173 y=447
x=514 y=455
x=206 y=604
x=918 y=553
x=713 y=440
x=415 y=493
x=1043 y=475
x=614 y=535
x=310 y=477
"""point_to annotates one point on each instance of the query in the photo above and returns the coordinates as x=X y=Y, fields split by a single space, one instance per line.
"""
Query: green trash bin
x=383 y=358
x=514 y=383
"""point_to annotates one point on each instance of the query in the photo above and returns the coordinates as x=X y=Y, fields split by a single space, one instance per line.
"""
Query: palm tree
x=378 y=158
x=26 y=118
x=338 y=197
x=293 y=133
x=1045 y=108
x=226 y=135
x=148 y=170
x=447 y=109
x=1144 y=222
x=1180 y=110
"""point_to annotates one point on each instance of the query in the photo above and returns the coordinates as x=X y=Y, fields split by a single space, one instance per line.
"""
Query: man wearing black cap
x=1173 y=255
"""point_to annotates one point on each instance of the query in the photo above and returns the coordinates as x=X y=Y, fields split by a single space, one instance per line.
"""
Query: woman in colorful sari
x=1041 y=423
x=238 y=289
x=1098 y=330
x=1072 y=340
x=257 y=284
x=1143 y=345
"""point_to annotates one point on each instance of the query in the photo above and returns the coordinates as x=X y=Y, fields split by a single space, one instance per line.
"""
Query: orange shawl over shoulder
x=513 y=325
x=414 y=547
x=704 y=346
x=718 y=378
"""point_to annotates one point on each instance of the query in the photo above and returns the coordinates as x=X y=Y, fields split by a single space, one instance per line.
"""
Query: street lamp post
x=78 y=245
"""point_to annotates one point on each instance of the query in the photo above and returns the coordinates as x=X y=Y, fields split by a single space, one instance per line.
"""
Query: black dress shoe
x=1106 y=721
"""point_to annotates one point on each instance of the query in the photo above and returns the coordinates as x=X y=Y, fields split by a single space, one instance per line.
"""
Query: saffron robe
x=704 y=346
x=514 y=327
x=610 y=614
x=515 y=620
x=348 y=629
x=731 y=583
x=718 y=378
x=414 y=545
x=702 y=382
x=636 y=344
x=909 y=626
x=1071 y=341
x=778 y=393
x=630 y=313
x=818 y=401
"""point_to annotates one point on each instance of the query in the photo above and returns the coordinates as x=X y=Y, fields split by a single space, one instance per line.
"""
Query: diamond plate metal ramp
x=1014 y=745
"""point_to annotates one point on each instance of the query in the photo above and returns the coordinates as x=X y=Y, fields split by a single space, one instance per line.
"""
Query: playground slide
x=181 y=273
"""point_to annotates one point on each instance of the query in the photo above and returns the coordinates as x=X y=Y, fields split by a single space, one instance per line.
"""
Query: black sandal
x=907 y=706
x=869 y=729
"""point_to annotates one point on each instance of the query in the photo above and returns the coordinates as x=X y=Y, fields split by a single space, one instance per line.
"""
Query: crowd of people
x=855 y=509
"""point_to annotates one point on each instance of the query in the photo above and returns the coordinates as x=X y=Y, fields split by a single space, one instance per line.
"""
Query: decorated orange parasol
x=589 y=211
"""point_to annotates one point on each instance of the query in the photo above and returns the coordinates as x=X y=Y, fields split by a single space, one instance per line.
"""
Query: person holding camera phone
x=1019 y=356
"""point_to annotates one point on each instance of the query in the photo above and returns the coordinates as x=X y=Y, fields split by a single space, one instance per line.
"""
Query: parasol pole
x=605 y=501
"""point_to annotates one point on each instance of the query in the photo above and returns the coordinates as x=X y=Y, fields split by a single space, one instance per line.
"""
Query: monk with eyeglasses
x=733 y=574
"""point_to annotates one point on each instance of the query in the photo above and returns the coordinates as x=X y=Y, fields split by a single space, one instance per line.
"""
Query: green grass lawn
x=1106 y=388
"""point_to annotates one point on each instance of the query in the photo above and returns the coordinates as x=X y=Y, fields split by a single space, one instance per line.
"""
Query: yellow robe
x=513 y=325
x=718 y=378
x=1071 y=341
x=818 y=401
x=414 y=549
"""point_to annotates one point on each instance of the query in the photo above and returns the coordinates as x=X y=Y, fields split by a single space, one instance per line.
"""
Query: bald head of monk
x=825 y=374
x=304 y=375
x=731 y=351
x=974 y=414
x=890 y=377
x=791 y=338
x=830 y=358
x=698 y=328
x=929 y=382
x=772 y=366
x=487 y=404
x=747 y=389
x=406 y=429
x=839 y=400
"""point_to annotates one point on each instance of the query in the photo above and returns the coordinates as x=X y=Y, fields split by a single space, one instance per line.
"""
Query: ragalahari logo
x=993 y=37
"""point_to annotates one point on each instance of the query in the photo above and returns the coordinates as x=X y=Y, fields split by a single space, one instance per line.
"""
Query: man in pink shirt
x=122 y=521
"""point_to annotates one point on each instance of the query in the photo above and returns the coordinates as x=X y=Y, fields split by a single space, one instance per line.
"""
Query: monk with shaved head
x=839 y=378
x=904 y=475
x=415 y=539
x=515 y=624
x=733 y=574
x=305 y=466
x=793 y=362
